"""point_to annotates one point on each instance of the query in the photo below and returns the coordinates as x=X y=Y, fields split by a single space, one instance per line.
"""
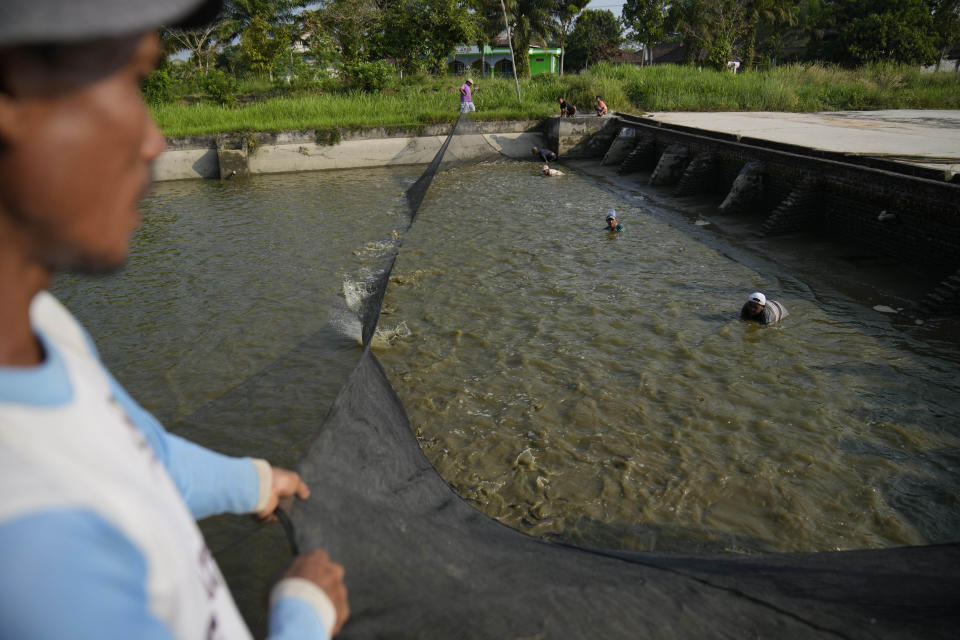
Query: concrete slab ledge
x=216 y=156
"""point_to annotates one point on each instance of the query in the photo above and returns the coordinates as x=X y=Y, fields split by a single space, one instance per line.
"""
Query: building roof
x=501 y=40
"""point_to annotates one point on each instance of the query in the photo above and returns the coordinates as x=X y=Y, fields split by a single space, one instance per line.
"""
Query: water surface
x=571 y=383
x=599 y=387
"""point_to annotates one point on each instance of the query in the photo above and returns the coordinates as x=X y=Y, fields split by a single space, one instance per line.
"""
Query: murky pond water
x=602 y=388
x=571 y=383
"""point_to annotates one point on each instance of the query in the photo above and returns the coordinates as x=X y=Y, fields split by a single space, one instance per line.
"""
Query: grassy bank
x=624 y=88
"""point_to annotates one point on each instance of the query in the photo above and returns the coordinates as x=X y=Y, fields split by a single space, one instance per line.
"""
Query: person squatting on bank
x=98 y=532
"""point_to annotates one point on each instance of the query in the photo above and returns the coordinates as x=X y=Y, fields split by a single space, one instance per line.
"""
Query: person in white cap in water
x=98 y=531
x=613 y=225
x=553 y=173
x=758 y=309
x=466 y=96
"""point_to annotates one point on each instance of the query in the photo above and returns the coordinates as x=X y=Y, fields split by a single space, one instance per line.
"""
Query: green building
x=495 y=60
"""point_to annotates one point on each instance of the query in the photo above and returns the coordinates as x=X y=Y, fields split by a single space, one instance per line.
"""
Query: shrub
x=156 y=87
x=368 y=76
x=220 y=86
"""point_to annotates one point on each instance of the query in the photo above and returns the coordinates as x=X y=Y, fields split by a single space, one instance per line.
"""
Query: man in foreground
x=97 y=517
x=758 y=309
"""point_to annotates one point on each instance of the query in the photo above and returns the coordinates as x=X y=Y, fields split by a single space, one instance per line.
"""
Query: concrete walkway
x=930 y=138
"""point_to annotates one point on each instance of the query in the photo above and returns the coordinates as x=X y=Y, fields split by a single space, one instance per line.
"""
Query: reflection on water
x=606 y=392
x=568 y=382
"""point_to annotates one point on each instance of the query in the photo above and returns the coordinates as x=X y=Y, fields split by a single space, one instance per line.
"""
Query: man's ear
x=9 y=105
x=10 y=129
x=7 y=118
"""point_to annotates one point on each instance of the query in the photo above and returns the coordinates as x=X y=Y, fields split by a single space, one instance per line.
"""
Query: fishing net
x=422 y=563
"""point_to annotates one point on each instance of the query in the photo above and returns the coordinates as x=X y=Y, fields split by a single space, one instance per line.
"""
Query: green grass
x=424 y=100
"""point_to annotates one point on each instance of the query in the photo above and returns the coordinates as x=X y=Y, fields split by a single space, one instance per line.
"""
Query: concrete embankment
x=237 y=154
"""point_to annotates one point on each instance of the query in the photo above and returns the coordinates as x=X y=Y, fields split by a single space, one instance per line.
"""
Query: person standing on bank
x=758 y=308
x=466 y=96
x=98 y=532
x=613 y=225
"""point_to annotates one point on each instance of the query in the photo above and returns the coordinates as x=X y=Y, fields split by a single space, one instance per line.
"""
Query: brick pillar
x=620 y=148
x=944 y=300
x=800 y=210
x=699 y=176
x=670 y=166
x=747 y=190
x=643 y=156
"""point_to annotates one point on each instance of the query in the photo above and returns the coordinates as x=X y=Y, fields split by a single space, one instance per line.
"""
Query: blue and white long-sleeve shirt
x=98 y=509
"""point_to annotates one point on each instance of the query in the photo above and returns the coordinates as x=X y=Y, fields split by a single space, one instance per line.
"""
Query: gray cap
x=611 y=214
x=67 y=21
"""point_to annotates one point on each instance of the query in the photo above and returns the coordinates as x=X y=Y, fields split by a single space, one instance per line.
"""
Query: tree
x=354 y=25
x=202 y=43
x=263 y=44
x=530 y=19
x=713 y=29
x=239 y=15
x=320 y=46
x=595 y=37
x=885 y=30
x=768 y=17
x=264 y=27
x=648 y=20
x=488 y=23
x=946 y=25
x=420 y=34
x=567 y=13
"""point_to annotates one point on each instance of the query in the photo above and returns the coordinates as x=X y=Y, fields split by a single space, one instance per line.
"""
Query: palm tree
x=530 y=19
x=567 y=13
x=759 y=13
x=489 y=25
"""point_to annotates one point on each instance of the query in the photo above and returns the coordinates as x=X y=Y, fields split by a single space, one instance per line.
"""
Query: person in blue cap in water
x=613 y=224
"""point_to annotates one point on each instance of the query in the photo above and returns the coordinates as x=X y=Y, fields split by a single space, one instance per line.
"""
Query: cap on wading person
x=612 y=222
x=758 y=309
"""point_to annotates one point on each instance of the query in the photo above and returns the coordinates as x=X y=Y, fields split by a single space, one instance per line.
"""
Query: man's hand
x=317 y=567
x=286 y=484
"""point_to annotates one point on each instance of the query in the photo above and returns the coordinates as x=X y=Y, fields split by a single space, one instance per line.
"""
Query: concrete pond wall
x=238 y=154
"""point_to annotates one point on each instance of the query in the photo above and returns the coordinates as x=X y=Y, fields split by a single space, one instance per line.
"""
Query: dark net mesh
x=422 y=563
